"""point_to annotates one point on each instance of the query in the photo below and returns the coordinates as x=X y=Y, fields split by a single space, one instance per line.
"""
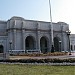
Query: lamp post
x=10 y=45
x=60 y=46
x=52 y=45
x=68 y=34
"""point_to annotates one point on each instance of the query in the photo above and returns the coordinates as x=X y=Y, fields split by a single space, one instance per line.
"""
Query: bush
x=70 y=60
x=41 y=54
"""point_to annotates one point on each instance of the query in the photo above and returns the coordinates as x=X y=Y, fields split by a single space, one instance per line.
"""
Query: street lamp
x=10 y=45
x=60 y=46
x=52 y=46
x=68 y=34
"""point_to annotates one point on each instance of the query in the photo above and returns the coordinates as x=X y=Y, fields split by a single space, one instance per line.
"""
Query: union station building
x=18 y=35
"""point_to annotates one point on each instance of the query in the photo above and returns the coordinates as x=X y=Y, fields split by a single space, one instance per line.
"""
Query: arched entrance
x=1 y=49
x=29 y=43
x=43 y=45
x=56 y=44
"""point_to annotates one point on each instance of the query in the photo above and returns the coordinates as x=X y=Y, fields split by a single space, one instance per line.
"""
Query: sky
x=62 y=10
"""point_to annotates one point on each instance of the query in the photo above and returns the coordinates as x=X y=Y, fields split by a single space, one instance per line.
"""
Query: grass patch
x=10 y=69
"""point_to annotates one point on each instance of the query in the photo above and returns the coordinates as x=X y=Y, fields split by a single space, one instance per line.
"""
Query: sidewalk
x=73 y=53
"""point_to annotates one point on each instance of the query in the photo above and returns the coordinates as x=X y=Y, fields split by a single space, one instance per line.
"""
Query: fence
x=24 y=51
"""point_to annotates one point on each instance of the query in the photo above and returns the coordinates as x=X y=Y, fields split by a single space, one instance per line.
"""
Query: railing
x=23 y=51
x=1 y=54
x=33 y=51
x=16 y=51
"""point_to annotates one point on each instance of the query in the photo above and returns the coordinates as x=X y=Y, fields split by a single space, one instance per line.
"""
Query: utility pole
x=52 y=41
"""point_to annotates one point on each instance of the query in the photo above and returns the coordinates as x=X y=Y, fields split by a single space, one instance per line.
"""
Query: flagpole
x=52 y=41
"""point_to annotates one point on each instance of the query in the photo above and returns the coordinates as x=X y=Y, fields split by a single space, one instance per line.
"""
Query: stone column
x=23 y=40
x=38 y=37
x=39 y=44
x=62 y=38
x=15 y=34
x=15 y=39
x=37 y=41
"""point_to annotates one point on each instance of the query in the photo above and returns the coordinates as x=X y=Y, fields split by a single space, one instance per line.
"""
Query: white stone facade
x=72 y=42
x=18 y=34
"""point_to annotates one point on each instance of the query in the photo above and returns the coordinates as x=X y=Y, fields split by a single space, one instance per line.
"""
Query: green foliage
x=48 y=60
x=41 y=54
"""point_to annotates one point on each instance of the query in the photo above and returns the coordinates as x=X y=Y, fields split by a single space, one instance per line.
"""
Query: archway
x=1 y=48
x=30 y=45
x=56 y=44
x=43 y=45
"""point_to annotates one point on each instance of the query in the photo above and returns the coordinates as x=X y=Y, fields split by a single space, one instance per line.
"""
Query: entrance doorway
x=29 y=43
x=57 y=44
x=1 y=49
x=43 y=45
